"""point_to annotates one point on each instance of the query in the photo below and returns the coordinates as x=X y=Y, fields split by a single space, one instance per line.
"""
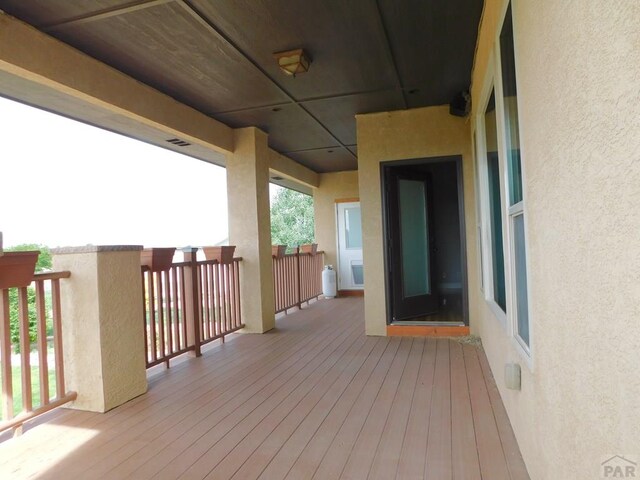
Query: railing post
x=192 y=299
x=102 y=331
x=249 y=225
x=299 y=278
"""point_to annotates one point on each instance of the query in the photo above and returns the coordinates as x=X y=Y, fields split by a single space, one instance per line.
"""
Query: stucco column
x=102 y=327
x=250 y=226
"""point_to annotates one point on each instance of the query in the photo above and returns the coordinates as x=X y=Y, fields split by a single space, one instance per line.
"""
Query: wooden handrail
x=51 y=275
x=26 y=416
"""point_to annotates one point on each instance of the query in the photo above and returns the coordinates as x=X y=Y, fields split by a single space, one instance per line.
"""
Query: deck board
x=362 y=454
x=490 y=454
x=414 y=444
x=463 y=439
x=311 y=454
x=438 y=457
x=315 y=398
x=387 y=455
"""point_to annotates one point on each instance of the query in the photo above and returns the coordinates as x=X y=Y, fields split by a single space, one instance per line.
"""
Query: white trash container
x=329 y=282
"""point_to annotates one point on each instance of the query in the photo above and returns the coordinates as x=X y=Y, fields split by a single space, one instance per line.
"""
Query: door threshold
x=351 y=293
x=427 y=323
x=441 y=329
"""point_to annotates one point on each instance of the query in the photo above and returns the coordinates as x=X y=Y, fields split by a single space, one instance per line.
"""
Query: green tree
x=44 y=263
x=292 y=218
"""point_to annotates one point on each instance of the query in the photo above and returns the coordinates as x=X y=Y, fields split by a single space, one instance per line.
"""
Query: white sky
x=64 y=183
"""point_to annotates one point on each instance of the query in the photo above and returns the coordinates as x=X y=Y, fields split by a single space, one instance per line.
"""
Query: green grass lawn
x=35 y=382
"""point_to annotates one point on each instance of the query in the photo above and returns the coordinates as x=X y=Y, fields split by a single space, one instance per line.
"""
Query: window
x=509 y=98
x=502 y=199
x=353 y=227
x=495 y=206
x=518 y=251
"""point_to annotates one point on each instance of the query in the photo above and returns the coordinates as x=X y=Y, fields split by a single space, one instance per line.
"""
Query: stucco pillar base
x=250 y=226
x=102 y=328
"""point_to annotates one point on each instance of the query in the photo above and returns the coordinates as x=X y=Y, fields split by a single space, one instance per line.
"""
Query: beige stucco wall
x=332 y=187
x=401 y=135
x=250 y=226
x=578 y=65
x=102 y=329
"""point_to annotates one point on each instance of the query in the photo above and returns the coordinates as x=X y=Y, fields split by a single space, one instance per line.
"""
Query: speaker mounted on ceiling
x=460 y=106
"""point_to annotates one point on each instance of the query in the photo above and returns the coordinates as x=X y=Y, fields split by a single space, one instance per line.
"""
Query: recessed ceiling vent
x=178 y=142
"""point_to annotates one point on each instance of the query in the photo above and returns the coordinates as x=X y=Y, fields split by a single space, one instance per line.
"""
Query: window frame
x=478 y=210
x=493 y=80
x=483 y=181
x=518 y=208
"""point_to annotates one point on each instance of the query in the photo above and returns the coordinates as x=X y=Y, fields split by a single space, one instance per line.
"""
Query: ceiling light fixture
x=293 y=62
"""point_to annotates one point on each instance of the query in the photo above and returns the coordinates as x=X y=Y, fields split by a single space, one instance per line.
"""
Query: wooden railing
x=297 y=278
x=189 y=305
x=48 y=390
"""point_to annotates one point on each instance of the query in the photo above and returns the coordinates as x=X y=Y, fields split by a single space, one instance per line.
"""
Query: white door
x=350 y=268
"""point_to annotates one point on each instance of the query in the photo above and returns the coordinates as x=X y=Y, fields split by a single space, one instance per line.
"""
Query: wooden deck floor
x=315 y=398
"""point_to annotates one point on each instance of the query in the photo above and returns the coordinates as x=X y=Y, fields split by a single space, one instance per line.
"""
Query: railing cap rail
x=52 y=275
x=145 y=268
x=319 y=252
x=96 y=248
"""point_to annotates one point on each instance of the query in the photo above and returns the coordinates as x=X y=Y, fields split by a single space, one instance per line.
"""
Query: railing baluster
x=298 y=277
x=160 y=307
x=204 y=280
x=274 y=269
x=238 y=303
x=198 y=291
x=220 y=299
x=58 y=354
x=196 y=300
x=213 y=331
x=152 y=317
x=175 y=305
x=25 y=349
x=215 y=328
x=232 y=295
x=227 y=297
x=167 y=301
x=276 y=287
x=5 y=356
x=283 y=284
x=183 y=308
x=41 y=319
x=145 y=316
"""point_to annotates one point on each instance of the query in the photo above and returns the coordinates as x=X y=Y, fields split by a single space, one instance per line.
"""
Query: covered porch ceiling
x=217 y=57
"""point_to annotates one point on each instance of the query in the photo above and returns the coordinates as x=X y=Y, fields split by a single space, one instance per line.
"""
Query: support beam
x=288 y=168
x=250 y=225
x=38 y=69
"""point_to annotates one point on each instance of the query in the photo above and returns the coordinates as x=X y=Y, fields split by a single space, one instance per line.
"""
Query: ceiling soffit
x=217 y=57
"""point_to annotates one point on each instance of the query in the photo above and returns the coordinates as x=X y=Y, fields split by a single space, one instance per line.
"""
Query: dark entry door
x=412 y=245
